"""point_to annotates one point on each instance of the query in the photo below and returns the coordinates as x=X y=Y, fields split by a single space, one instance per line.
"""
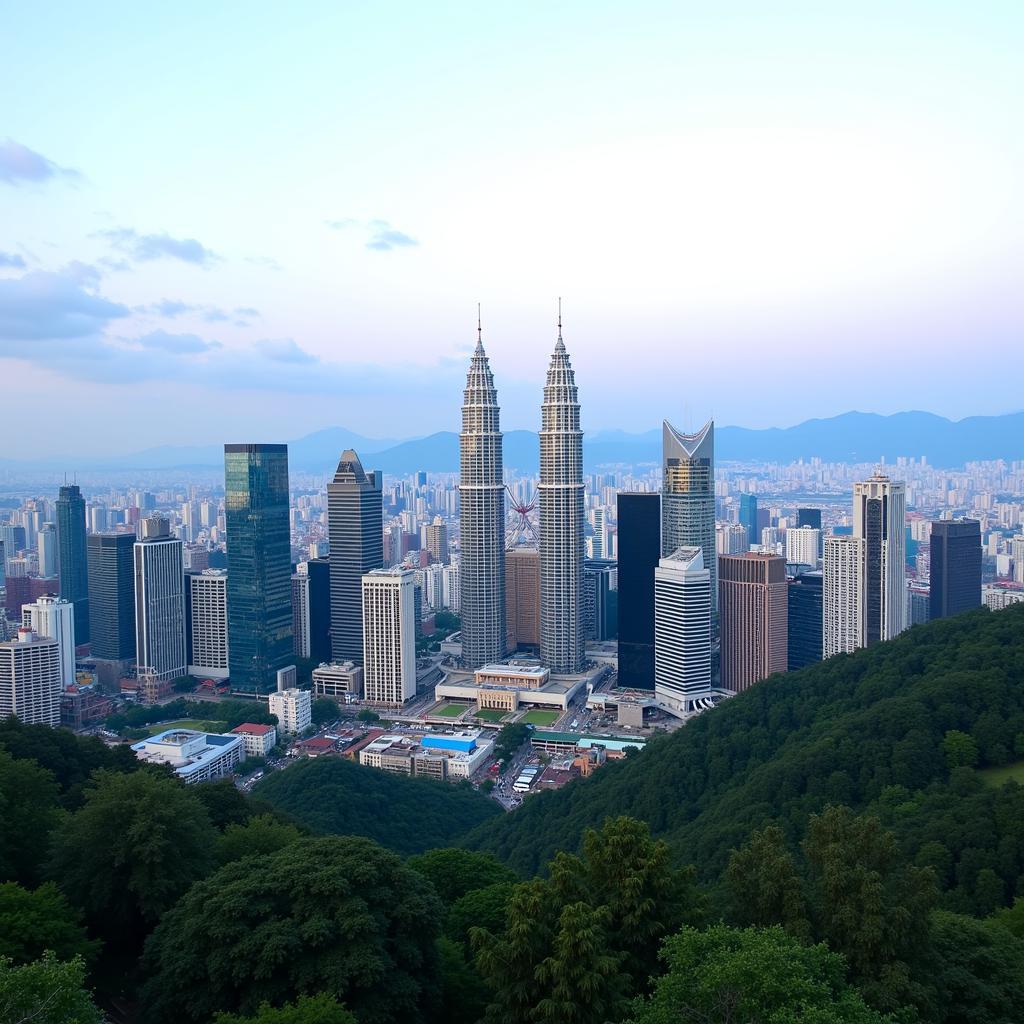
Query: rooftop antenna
x=559 y=317
x=479 y=328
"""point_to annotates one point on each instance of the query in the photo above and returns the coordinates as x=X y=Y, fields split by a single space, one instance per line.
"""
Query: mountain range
x=852 y=437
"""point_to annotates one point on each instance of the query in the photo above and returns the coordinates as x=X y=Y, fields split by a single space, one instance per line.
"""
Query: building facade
x=806 y=618
x=73 y=568
x=748 y=520
x=301 y=634
x=159 y=603
x=293 y=708
x=437 y=540
x=54 y=618
x=389 y=637
x=802 y=545
x=30 y=679
x=879 y=518
x=259 y=564
x=843 y=581
x=522 y=598
x=206 y=602
x=112 y=595
x=955 y=567
x=46 y=541
x=638 y=514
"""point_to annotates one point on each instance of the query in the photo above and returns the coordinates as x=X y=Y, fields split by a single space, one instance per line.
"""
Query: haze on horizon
x=243 y=221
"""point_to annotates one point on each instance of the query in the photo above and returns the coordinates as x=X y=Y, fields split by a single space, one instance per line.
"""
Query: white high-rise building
x=843 y=628
x=47 y=542
x=301 y=635
x=802 y=544
x=599 y=545
x=1017 y=555
x=54 y=618
x=159 y=602
x=451 y=590
x=732 y=539
x=30 y=679
x=561 y=490
x=682 y=629
x=481 y=518
x=292 y=706
x=879 y=519
x=208 y=623
x=389 y=636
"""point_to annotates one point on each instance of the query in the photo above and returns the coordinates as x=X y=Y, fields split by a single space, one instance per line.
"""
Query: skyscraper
x=300 y=615
x=159 y=603
x=71 y=556
x=522 y=595
x=355 y=523
x=639 y=521
x=481 y=518
x=112 y=595
x=54 y=618
x=748 y=518
x=562 y=642
x=806 y=619
x=259 y=564
x=682 y=629
x=437 y=540
x=955 y=566
x=879 y=514
x=802 y=545
x=688 y=498
x=389 y=636
x=30 y=682
x=48 y=558
x=753 y=615
x=319 y=572
x=843 y=629
x=206 y=608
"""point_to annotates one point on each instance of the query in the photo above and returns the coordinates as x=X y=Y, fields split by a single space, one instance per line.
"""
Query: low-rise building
x=194 y=756
x=507 y=685
x=442 y=756
x=340 y=680
x=259 y=740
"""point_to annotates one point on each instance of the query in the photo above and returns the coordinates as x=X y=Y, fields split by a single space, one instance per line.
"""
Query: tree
x=224 y=803
x=32 y=922
x=447 y=622
x=960 y=749
x=509 y=739
x=184 y=684
x=259 y=836
x=368 y=715
x=733 y=976
x=341 y=916
x=28 y=814
x=323 y=709
x=481 y=908
x=319 y=1009
x=463 y=992
x=453 y=872
x=46 y=991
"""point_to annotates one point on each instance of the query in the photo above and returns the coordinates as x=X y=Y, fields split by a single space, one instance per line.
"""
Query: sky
x=249 y=221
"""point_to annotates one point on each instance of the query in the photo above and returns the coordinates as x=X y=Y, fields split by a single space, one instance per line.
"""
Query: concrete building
x=879 y=518
x=30 y=679
x=682 y=630
x=159 y=603
x=258 y=740
x=437 y=540
x=481 y=518
x=193 y=756
x=293 y=708
x=507 y=686
x=998 y=598
x=339 y=680
x=843 y=575
x=54 y=618
x=754 y=618
x=451 y=588
x=522 y=598
x=802 y=545
x=389 y=636
x=207 y=616
x=48 y=551
x=301 y=634
x=732 y=539
x=955 y=549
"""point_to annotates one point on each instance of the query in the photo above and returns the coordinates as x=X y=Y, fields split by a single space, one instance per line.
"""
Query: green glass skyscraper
x=259 y=564
x=72 y=560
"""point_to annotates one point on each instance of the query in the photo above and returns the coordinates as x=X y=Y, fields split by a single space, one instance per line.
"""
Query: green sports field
x=538 y=716
x=491 y=714
x=448 y=710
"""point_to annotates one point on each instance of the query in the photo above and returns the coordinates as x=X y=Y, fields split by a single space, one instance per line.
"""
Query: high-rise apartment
x=806 y=618
x=54 y=618
x=481 y=518
x=355 y=523
x=562 y=530
x=389 y=636
x=682 y=629
x=159 y=602
x=206 y=604
x=955 y=566
x=30 y=679
x=753 y=617
x=748 y=519
x=48 y=550
x=112 y=595
x=600 y=605
x=843 y=572
x=259 y=564
x=879 y=519
x=71 y=556
x=688 y=497
x=300 y=615
x=437 y=540
x=638 y=514
x=802 y=545
x=522 y=597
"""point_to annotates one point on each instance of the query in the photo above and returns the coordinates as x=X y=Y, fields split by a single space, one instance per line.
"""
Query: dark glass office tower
x=806 y=619
x=259 y=564
x=955 y=566
x=809 y=517
x=748 y=517
x=639 y=525
x=355 y=523
x=72 y=559
x=319 y=572
x=112 y=595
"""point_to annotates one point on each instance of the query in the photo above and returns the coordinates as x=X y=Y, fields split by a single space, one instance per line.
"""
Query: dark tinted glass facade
x=955 y=567
x=806 y=618
x=809 y=517
x=639 y=525
x=259 y=564
x=112 y=595
x=319 y=571
x=748 y=517
x=72 y=560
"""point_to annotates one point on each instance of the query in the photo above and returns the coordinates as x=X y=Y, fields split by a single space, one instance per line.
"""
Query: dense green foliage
x=510 y=738
x=231 y=712
x=46 y=991
x=34 y=921
x=454 y=872
x=29 y=812
x=841 y=732
x=336 y=915
x=334 y=796
x=318 y=1009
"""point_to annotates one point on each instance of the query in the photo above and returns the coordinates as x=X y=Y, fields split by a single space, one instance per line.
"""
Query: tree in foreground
x=29 y=811
x=318 y=1009
x=737 y=976
x=33 y=922
x=46 y=991
x=340 y=916
x=260 y=835
x=454 y=872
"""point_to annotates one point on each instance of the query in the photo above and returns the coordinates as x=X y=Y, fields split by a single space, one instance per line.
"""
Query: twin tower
x=482 y=518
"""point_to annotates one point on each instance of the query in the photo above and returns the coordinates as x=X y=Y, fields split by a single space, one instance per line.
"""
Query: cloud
x=173 y=308
x=19 y=164
x=145 y=248
x=246 y=311
x=264 y=261
x=382 y=236
x=285 y=350
x=180 y=344
x=43 y=305
x=12 y=259
x=340 y=225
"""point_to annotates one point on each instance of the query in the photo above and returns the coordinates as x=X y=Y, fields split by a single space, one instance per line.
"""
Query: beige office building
x=522 y=597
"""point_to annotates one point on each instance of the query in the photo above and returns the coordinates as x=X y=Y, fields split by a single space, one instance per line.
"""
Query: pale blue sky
x=248 y=221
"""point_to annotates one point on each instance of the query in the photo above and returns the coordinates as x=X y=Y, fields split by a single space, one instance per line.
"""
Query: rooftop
x=252 y=729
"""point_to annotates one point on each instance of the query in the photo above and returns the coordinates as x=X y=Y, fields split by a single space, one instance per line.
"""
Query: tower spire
x=559 y=345
x=479 y=329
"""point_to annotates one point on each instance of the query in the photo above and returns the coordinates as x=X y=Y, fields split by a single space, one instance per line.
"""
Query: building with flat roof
x=389 y=636
x=30 y=679
x=955 y=567
x=507 y=686
x=293 y=708
x=441 y=756
x=338 y=680
x=53 y=617
x=206 y=616
x=193 y=756
x=639 y=526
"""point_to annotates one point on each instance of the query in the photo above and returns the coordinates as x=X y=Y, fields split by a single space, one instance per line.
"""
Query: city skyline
x=331 y=246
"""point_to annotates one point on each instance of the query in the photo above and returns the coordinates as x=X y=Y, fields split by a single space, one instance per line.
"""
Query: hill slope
x=864 y=729
x=408 y=815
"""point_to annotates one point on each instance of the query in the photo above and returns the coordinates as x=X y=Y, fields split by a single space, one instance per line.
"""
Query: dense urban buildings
x=72 y=559
x=844 y=580
x=561 y=490
x=30 y=679
x=259 y=563
x=355 y=523
x=879 y=518
x=159 y=603
x=389 y=636
x=682 y=630
x=112 y=595
x=639 y=523
x=753 y=618
x=481 y=518
x=955 y=550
